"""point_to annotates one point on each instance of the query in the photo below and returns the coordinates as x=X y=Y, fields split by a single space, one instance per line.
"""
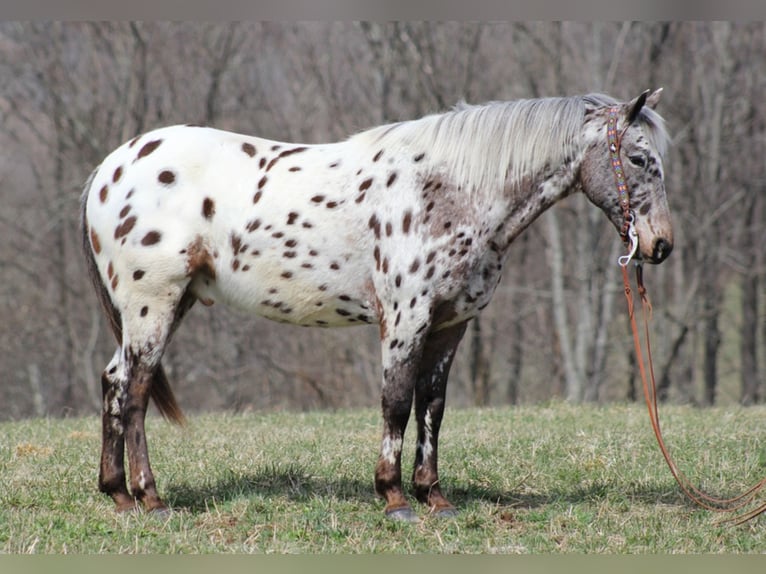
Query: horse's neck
x=529 y=199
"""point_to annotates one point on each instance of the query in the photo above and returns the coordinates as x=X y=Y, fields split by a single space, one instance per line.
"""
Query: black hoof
x=449 y=512
x=405 y=514
x=160 y=513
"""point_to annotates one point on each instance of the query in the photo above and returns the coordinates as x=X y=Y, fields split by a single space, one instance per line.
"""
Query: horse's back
x=250 y=222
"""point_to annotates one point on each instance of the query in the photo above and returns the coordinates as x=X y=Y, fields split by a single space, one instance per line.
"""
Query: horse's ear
x=634 y=107
x=654 y=99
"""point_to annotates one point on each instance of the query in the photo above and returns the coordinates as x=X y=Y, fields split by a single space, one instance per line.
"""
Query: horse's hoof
x=447 y=512
x=404 y=514
x=161 y=513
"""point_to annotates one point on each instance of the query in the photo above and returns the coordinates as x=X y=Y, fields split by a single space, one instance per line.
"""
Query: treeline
x=72 y=92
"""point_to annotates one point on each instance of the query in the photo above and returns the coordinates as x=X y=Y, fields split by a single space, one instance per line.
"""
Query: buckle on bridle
x=631 y=237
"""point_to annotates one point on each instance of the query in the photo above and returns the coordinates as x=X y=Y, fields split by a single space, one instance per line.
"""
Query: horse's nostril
x=662 y=249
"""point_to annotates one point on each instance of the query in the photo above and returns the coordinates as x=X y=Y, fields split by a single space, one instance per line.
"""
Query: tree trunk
x=750 y=394
x=479 y=366
x=516 y=352
x=712 y=340
x=573 y=382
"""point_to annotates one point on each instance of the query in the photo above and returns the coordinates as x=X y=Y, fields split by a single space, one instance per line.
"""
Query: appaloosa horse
x=405 y=225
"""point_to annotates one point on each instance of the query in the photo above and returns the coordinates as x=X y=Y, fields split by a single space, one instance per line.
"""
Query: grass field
x=534 y=479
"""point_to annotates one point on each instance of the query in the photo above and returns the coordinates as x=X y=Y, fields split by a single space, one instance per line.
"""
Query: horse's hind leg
x=430 y=391
x=111 y=479
x=127 y=386
x=126 y=389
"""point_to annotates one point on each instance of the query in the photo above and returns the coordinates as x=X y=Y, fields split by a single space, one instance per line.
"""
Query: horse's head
x=641 y=140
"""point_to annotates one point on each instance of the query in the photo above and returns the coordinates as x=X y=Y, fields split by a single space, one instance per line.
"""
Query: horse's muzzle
x=662 y=249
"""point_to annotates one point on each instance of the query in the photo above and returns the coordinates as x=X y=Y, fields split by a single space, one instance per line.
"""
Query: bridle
x=628 y=231
x=630 y=237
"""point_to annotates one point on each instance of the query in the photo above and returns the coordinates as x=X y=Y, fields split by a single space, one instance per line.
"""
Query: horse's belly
x=302 y=296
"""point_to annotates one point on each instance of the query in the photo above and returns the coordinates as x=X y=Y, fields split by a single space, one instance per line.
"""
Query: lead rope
x=649 y=385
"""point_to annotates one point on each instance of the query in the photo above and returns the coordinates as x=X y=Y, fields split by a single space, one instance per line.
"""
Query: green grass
x=538 y=479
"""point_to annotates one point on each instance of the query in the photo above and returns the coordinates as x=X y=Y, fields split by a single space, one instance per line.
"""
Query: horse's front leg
x=400 y=365
x=430 y=391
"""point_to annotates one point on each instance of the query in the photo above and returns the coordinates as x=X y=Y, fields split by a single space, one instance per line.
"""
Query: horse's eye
x=637 y=160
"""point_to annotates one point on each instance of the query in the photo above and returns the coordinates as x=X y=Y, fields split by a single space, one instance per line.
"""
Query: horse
x=405 y=225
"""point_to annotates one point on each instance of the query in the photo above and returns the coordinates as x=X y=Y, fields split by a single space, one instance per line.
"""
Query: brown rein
x=702 y=499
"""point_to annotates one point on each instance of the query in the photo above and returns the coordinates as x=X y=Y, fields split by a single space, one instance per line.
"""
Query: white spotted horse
x=406 y=226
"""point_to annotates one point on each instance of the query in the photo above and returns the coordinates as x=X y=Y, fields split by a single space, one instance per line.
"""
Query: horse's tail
x=161 y=392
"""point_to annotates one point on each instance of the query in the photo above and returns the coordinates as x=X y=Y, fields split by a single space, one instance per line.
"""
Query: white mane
x=482 y=147
x=499 y=144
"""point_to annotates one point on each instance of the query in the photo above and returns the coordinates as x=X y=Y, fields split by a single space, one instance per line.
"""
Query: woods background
x=72 y=92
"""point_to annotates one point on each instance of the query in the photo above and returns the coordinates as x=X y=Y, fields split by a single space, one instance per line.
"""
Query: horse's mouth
x=661 y=250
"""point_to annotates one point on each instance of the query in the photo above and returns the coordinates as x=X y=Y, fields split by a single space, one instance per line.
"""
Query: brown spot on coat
x=144 y=310
x=374 y=224
x=151 y=238
x=292 y=151
x=103 y=194
x=262 y=182
x=124 y=211
x=198 y=259
x=391 y=179
x=376 y=157
x=166 y=177
x=365 y=184
x=124 y=228
x=291 y=217
x=407 y=221
x=318 y=198
x=115 y=281
x=208 y=208
x=257 y=196
x=418 y=157
x=117 y=174
x=236 y=243
x=95 y=241
x=249 y=149
x=148 y=148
